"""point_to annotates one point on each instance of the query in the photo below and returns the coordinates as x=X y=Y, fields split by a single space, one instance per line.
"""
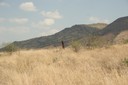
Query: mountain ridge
x=67 y=35
x=76 y=32
x=111 y=31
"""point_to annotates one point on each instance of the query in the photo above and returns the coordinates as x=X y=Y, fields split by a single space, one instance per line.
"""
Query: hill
x=67 y=35
x=119 y=25
x=98 y=25
x=113 y=33
x=112 y=30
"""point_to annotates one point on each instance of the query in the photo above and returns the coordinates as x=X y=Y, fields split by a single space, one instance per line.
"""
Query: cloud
x=19 y=20
x=47 y=22
x=2 y=20
x=43 y=23
x=97 y=20
x=3 y=4
x=14 y=30
x=49 y=32
x=15 y=20
x=51 y=14
x=50 y=18
x=28 y=6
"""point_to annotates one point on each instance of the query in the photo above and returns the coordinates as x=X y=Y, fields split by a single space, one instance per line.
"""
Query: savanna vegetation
x=56 y=66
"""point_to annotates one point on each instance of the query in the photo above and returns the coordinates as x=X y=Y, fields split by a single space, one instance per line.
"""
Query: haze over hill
x=77 y=32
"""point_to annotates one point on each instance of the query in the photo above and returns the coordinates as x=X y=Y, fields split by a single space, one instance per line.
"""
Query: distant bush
x=96 y=42
x=125 y=41
x=91 y=42
x=76 y=45
x=125 y=61
x=11 y=48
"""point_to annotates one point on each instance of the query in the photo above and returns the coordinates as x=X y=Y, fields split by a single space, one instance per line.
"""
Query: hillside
x=112 y=30
x=111 y=33
x=67 y=35
x=65 y=67
x=122 y=37
x=119 y=25
x=98 y=25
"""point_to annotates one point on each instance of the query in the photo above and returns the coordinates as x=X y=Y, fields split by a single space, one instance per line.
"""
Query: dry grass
x=65 y=67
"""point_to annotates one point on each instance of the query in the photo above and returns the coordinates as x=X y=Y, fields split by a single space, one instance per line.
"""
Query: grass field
x=101 y=66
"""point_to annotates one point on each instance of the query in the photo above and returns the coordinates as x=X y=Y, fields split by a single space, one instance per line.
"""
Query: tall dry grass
x=65 y=67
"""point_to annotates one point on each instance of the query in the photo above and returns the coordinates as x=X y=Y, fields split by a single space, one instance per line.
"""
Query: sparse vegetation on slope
x=11 y=48
x=65 y=67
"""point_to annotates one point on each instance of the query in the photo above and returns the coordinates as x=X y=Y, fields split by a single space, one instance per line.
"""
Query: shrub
x=91 y=42
x=11 y=48
x=96 y=42
x=125 y=61
x=76 y=45
x=125 y=41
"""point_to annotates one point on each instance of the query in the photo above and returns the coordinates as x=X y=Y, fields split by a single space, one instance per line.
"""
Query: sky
x=25 y=19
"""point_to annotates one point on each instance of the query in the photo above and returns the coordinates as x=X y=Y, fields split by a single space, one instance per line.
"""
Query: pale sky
x=24 y=19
